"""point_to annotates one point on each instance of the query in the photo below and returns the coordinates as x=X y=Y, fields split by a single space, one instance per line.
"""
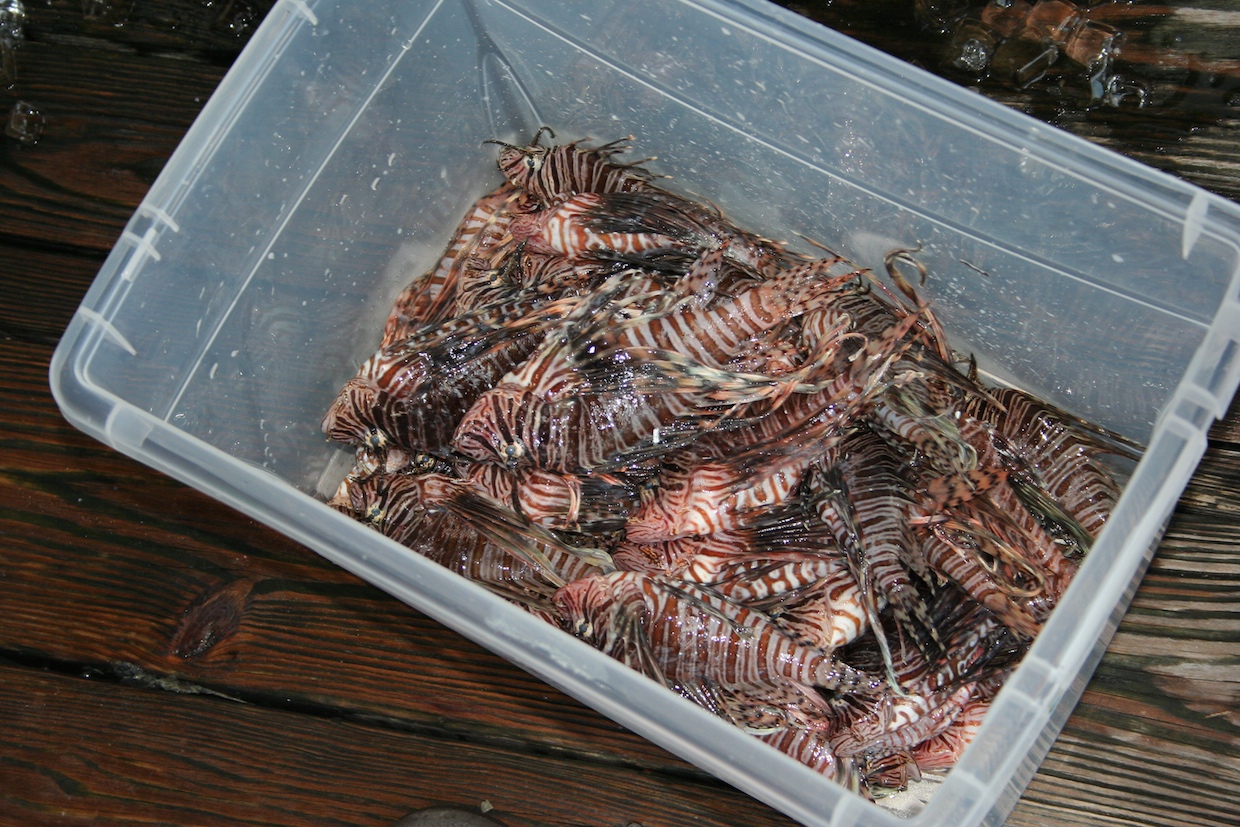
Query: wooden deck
x=164 y=660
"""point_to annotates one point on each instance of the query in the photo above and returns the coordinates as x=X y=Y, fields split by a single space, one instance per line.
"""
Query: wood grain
x=90 y=752
x=212 y=31
x=112 y=119
x=43 y=287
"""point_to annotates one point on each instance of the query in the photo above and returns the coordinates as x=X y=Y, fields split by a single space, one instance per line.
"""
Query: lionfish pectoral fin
x=1051 y=515
x=644 y=211
x=521 y=596
x=596 y=557
x=639 y=653
x=913 y=617
x=519 y=536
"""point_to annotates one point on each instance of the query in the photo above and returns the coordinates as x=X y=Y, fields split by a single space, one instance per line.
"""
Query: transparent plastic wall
x=350 y=158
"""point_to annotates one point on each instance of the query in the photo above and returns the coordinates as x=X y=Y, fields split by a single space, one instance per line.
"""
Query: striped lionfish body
x=482 y=233
x=1062 y=455
x=683 y=633
x=712 y=497
x=564 y=502
x=862 y=499
x=411 y=392
x=566 y=229
x=551 y=173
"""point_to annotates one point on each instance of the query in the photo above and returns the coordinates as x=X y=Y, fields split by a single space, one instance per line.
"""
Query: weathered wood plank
x=112 y=119
x=215 y=30
x=85 y=751
x=1104 y=770
x=42 y=289
x=1227 y=429
x=1215 y=483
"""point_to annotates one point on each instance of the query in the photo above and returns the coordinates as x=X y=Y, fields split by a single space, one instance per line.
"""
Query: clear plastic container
x=338 y=154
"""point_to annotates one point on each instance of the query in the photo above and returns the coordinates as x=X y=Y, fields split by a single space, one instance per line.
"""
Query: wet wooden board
x=43 y=288
x=111 y=120
x=90 y=751
x=227 y=675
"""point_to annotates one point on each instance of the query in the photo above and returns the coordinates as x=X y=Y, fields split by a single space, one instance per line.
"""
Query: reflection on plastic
x=8 y=63
x=112 y=12
x=510 y=110
x=1052 y=20
x=25 y=123
x=12 y=19
x=12 y=26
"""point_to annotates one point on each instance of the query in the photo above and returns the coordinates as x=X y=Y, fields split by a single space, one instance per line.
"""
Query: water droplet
x=25 y=123
x=1119 y=87
x=971 y=47
x=236 y=17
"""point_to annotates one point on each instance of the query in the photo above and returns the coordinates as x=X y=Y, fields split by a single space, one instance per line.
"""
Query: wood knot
x=209 y=620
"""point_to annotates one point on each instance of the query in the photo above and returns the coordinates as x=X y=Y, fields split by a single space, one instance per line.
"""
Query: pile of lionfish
x=760 y=477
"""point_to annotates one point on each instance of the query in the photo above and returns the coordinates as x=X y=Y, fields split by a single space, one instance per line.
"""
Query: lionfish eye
x=374 y=515
x=423 y=463
x=375 y=438
x=513 y=452
x=533 y=162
